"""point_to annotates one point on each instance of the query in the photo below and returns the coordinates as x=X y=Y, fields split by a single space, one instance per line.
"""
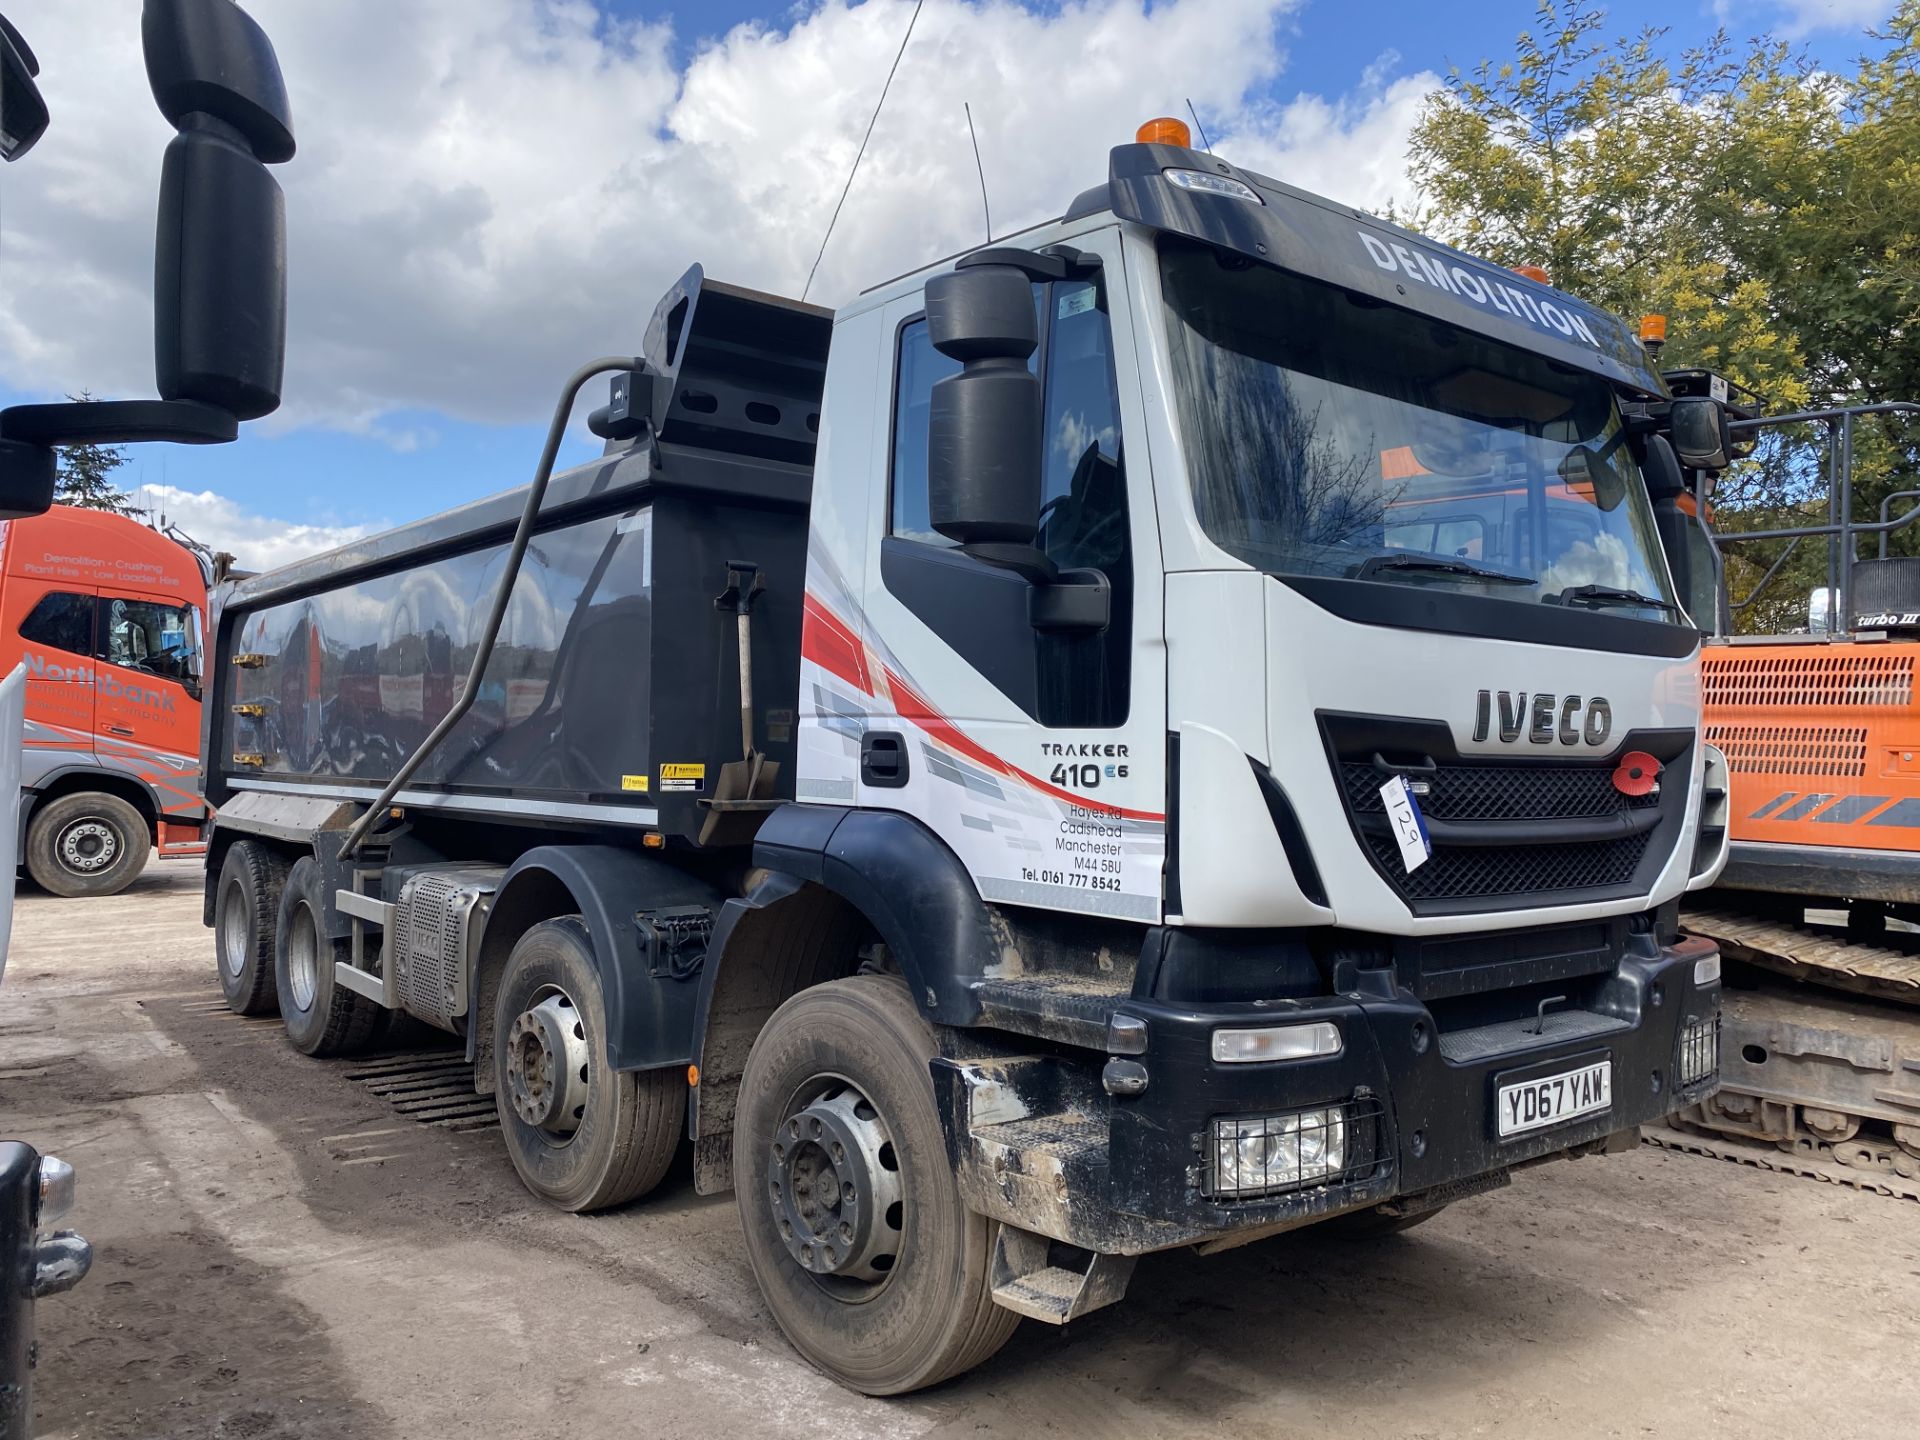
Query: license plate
x=1551 y=1099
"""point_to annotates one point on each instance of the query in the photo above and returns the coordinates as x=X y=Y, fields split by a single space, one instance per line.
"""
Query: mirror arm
x=1078 y=601
x=1056 y=262
x=1028 y=562
x=104 y=422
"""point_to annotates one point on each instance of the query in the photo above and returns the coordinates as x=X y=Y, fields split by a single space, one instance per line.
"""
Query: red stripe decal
x=828 y=643
x=910 y=704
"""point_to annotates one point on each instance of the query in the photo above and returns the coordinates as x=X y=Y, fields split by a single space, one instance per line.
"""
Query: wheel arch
x=81 y=779
x=650 y=1017
x=832 y=880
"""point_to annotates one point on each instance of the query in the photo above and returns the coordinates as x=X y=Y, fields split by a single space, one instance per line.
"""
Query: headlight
x=1276 y=1042
x=1699 y=1050
x=1265 y=1154
x=1213 y=184
x=56 y=1189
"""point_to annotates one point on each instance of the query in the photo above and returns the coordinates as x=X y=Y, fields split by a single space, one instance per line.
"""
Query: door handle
x=883 y=759
x=117 y=730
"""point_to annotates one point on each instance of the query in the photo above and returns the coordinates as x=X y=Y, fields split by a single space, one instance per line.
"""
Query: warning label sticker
x=683 y=777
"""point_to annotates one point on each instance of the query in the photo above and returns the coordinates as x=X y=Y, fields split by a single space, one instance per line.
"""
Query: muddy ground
x=280 y=1254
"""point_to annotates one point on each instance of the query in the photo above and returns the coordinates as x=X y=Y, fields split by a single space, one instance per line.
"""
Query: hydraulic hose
x=497 y=616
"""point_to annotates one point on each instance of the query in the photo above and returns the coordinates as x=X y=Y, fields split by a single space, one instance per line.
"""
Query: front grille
x=1478 y=871
x=1498 y=792
x=1545 y=866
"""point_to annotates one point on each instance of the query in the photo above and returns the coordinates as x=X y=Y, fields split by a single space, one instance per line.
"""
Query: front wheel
x=871 y=1263
x=87 y=844
x=582 y=1135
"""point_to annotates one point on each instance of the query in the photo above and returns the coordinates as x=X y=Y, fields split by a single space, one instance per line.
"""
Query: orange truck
x=107 y=616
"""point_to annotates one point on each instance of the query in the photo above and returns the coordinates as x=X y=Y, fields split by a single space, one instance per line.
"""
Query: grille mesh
x=1792 y=749
x=1499 y=792
x=1485 y=871
x=1459 y=793
x=1845 y=678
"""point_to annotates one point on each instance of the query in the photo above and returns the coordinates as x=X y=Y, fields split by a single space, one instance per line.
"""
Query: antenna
x=1205 y=144
x=981 y=169
x=911 y=20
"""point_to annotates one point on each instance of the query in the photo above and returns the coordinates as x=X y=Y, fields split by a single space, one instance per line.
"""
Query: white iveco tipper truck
x=1167 y=729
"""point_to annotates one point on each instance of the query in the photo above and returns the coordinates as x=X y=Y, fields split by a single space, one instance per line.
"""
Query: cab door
x=1037 y=754
x=147 y=709
x=55 y=634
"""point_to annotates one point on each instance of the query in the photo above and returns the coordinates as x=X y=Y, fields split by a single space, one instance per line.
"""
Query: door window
x=1060 y=678
x=62 y=620
x=149 y=636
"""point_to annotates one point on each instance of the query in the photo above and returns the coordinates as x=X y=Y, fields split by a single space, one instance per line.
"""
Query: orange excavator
x=1818 y=910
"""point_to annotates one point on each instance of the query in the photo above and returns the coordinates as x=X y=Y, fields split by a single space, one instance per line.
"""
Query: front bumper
x=1126 y=1175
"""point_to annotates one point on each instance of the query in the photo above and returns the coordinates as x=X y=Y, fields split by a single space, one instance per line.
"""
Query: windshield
x=1327 y=434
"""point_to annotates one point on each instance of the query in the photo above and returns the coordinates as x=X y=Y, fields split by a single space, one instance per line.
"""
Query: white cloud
x=257 y=542
x=1804 y=17
x=489 y=191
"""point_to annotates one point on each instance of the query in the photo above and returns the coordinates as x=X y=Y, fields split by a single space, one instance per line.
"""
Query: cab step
x=1027 y=1281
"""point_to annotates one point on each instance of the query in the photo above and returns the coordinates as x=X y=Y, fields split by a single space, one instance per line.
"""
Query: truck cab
x=1170 y=727
x=107 y=616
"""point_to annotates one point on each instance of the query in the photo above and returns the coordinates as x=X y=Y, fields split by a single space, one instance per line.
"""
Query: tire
x=322 y=1017
x=578 y=1145
x=87 y=844
x=1372 y=1225
x=930 y=1313
x=246 y=920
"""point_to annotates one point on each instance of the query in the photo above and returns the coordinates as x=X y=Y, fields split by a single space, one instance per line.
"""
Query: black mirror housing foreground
x=983 y=426
x=220 y=252
x=23 y=111
x=1702 y=439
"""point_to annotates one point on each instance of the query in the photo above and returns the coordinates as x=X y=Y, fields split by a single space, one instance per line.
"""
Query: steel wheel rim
x=87 y=846
x=303 y=956
x=549 y=1066
x=233 y=930
x=829 y=1127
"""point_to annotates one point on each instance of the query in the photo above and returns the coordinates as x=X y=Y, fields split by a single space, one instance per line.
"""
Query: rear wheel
x=870 y=1261
x=322 y=1016
x=582 y=1135
x=87 y=844
x=246 y=913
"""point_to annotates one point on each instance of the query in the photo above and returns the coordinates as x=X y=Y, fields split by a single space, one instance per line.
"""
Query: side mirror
x=1701 y=438
x=983 y=427
x=23 y=114
x=1661 y=470
x=220 y=253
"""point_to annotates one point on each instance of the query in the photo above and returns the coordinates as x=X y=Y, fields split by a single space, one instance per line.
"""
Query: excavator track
x=1878 y=1168
x=1810 y=953
x=1819 y=1079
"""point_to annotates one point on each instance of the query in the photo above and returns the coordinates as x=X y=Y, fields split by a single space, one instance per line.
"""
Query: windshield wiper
x=1611 y=595
x=1437 y=565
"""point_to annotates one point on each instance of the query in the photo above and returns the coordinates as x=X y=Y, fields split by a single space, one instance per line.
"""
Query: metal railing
x=1842 y=530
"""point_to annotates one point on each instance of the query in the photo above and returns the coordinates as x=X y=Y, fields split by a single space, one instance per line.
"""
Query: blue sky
x=380 y=428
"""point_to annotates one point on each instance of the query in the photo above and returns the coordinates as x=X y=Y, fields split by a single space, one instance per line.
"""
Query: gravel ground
x=279 y=1254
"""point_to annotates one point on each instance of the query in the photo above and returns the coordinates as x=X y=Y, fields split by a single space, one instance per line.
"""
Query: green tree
x=1770 y=209
x=85 y=475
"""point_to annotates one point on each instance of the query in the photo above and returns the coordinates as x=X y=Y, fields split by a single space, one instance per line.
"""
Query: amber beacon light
x=1165 y=131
